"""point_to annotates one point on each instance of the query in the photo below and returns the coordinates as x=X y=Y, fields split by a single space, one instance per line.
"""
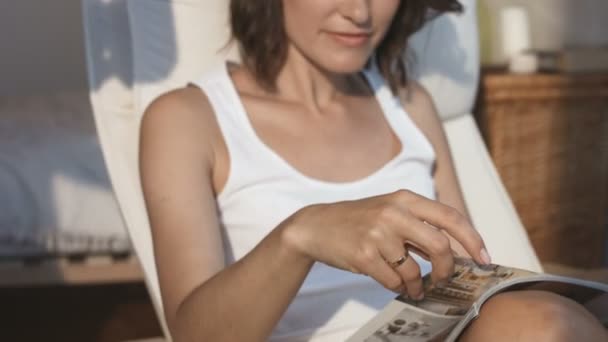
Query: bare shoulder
x=415 y=96
x=183 y=117
x=186 y=108
x=419 y=105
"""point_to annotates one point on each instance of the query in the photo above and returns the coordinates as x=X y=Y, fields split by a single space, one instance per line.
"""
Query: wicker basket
x=548 y=136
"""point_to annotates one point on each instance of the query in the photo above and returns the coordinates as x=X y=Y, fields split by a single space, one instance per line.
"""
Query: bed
x=59 y=219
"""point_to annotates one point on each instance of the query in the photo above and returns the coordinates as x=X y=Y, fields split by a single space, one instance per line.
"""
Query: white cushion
x=108 y=54
x=174 y=42
x=446 y=60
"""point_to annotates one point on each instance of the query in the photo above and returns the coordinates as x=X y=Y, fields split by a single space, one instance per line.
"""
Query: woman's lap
x=536 y=316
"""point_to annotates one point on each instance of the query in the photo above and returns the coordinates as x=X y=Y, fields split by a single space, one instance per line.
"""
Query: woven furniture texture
x=548 y=136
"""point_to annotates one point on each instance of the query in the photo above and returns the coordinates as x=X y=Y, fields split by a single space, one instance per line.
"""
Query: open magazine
x=445 y=311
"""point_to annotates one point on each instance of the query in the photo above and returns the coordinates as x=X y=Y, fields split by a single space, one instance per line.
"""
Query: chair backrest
x=137 y=49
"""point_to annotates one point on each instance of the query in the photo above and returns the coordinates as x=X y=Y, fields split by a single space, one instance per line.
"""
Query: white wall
x=41 y=46
x=554 y=23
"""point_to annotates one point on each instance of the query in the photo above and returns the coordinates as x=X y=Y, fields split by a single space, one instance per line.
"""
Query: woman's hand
x=367 y=236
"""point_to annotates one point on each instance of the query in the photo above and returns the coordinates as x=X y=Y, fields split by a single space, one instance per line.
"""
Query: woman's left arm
x=420 y=106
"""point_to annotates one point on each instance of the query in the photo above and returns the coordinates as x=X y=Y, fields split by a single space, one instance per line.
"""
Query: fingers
x=426 y=227
x=405 y=228
x=412 y=279
x=433 y=244
x=457 y=249
x=369 y=261
x=448 y=219
x=408 y=271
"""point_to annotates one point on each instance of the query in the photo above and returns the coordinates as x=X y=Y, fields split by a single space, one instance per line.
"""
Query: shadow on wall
x=109 y=45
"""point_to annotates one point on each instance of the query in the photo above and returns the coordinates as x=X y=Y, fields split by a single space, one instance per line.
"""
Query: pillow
x=175 y=42
x=446 y=61
x=55 y=193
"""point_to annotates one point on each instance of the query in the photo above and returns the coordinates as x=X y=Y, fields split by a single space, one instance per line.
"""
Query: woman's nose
x=358 y=11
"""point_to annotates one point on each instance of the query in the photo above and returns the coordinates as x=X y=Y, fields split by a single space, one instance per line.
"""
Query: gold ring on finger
x=400 y=261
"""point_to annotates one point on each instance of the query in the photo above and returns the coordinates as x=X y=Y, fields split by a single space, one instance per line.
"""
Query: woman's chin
x=345 y=66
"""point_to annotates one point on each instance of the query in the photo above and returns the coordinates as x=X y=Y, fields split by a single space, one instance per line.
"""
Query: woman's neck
x=300 y=80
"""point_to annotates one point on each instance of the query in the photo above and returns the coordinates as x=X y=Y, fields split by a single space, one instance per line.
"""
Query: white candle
x=515 y=30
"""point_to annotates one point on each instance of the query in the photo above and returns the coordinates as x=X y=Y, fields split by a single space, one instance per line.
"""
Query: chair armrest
x=489 y=205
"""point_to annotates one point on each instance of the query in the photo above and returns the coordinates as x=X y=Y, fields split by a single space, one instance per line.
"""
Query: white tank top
x=263 y=189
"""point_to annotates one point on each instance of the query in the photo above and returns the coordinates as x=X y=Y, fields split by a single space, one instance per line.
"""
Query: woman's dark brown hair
x=257 y=27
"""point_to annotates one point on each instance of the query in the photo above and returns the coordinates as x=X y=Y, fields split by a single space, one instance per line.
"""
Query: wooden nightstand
x=548 y=136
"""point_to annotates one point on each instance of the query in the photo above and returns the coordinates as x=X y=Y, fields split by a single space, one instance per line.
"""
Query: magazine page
x=447 y=309
x=469 y=283
x=432 y=318
x=406 y=323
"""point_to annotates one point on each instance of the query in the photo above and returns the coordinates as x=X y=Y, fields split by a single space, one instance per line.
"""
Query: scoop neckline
x=382 y=102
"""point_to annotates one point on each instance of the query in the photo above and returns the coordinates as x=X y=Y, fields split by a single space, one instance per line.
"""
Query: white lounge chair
x=137 y=49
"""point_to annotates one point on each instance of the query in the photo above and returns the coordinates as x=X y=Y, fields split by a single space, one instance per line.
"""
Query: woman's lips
x=350 y=39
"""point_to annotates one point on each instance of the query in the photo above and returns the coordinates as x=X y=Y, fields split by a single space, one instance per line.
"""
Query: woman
x=287 y=194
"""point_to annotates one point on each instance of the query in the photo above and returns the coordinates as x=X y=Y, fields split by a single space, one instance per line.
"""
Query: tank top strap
x=215 y=86
x=398 y=118
x=244 y=161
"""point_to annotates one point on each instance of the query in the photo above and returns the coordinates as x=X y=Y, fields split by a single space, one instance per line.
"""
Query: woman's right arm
x=204 y=299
